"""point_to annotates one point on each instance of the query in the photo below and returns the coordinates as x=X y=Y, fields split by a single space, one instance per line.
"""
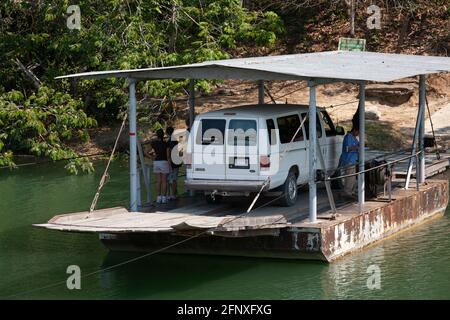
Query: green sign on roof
x=350 y=44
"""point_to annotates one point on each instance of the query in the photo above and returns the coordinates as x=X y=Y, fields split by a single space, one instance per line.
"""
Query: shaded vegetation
x=407 y=26
x=39 y=116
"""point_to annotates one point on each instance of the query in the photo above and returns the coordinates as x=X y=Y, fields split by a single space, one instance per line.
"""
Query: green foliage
x=82 y=163
x=114 y=34
x=42 y=124
x=118 y=34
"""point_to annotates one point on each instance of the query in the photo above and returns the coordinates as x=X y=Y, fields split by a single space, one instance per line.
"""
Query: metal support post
x=414 y=145
x=420 y=175
x=312 y=152
x=191 y=102
x=260 y=91
x=191 y=113
x=362 y=144
x=133 y=153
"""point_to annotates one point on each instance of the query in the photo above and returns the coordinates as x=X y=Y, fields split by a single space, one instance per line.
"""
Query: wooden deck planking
x=222 y=217
x=119 y=220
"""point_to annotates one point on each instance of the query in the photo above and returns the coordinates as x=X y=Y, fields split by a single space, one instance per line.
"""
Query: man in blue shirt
x=349 y=159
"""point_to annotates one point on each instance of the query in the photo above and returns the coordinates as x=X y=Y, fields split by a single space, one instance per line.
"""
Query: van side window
x=271 y=132
x=287 y=127
x=330 y=130
x=242 y=132
x=211 y=131
x=318 y=126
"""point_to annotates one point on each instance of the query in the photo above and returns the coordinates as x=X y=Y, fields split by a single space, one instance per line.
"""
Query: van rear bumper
x=225 y=185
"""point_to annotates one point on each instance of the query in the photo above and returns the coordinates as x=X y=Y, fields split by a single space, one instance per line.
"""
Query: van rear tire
x=290 y=191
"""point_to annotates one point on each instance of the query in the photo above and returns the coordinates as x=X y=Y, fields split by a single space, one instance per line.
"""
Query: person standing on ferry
x=161 y=166
x=349 y=159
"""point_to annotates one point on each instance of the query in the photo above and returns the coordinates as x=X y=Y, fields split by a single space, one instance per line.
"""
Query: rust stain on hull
x=377 y=224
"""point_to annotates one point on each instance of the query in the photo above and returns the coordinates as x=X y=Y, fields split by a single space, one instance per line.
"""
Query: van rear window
x=211 y=131
x=242 y=132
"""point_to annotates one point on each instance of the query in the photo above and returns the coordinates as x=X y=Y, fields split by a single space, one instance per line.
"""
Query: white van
x=239 y=151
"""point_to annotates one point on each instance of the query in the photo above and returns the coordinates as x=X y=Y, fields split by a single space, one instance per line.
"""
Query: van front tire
x=289 y=189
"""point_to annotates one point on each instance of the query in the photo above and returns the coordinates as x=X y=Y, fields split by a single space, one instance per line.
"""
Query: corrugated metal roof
x=337 y=65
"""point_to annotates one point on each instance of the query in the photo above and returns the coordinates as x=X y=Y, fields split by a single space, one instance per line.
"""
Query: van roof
x=259 y=110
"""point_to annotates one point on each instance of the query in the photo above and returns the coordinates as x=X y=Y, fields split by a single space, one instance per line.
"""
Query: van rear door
x=242 y=161
x=208 y=158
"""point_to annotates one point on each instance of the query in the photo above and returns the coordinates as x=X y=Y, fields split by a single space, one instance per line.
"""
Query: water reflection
x=408 y=264
x=163 y=275
x=347 y=277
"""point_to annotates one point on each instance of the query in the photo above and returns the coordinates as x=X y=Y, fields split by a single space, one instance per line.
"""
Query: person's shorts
x=173 y=175
x=161 y=167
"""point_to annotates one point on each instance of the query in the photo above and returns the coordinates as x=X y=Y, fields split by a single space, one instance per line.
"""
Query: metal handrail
x=374 y=168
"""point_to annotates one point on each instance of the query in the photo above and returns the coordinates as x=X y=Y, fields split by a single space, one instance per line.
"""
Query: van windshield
x=211 y=131
x=242 y=132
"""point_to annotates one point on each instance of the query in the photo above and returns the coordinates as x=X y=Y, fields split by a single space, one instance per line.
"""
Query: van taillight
x=264 y=161
x=188 y=160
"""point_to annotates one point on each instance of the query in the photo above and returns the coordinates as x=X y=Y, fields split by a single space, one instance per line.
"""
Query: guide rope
x=287 y=86
x=291 y=92
x=105 y=173
x=267 y=91
x=332 y=106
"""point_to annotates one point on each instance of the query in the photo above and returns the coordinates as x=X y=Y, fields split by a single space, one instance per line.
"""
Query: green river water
x=413 y=264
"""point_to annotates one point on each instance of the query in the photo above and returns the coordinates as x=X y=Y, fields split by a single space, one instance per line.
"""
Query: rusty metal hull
x=380 y=223
x=326 y=240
